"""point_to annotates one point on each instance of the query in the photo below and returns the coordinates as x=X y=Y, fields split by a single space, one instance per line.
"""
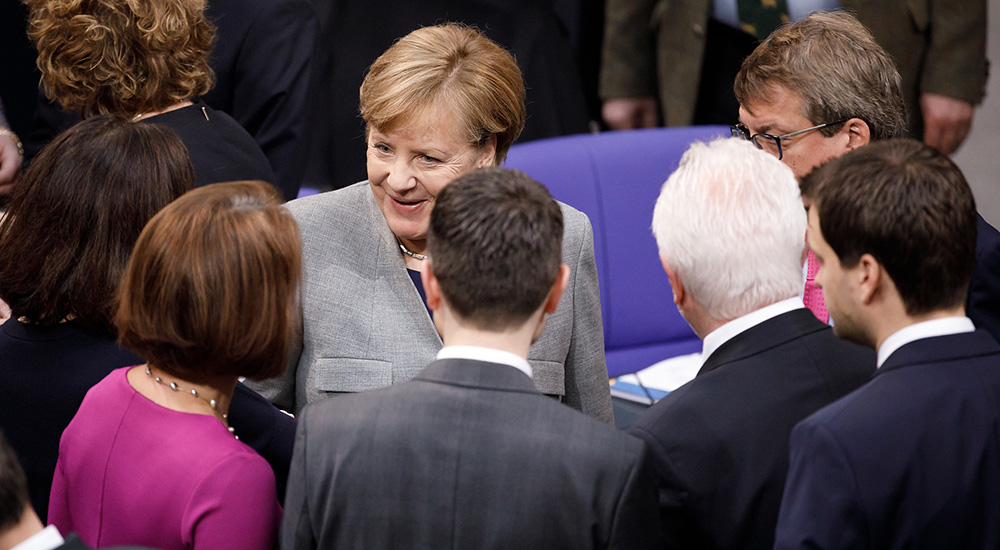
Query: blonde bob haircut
x=211 y=287
x=449 y=66
x=121 y=57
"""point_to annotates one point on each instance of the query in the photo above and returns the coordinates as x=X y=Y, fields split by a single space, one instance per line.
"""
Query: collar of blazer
x=468 y=373
x=950 y=347
x=756 y=339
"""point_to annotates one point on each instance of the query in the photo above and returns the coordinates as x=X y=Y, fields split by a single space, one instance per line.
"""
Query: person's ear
x=868 y=278
x=858 y=133
x=558 y=287
x=488 y=152
x=676 y=285
x=432 y=289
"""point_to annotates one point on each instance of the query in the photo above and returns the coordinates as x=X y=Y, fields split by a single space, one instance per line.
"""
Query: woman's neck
x=414 y=253
x=149 y=114
x=208 y=398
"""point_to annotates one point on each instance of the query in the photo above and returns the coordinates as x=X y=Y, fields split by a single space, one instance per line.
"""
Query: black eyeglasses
x=772 y=144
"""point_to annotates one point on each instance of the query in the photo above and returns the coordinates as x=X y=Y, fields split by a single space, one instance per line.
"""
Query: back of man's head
x=730 y=222
x=834 y=63
x=910 y=208
x=495 y=241
x=14 y=500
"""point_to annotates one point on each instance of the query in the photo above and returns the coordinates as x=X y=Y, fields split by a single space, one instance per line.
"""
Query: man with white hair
x=730 y=228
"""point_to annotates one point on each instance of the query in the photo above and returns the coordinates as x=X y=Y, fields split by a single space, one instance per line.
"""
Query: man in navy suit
x=469 y=454
x=911 y=459
x=730 y=228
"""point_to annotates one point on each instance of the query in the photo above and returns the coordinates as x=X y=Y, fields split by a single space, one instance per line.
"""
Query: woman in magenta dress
x=150 y=459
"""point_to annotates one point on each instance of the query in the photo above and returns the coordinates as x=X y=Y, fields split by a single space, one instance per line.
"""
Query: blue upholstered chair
x=615 y=177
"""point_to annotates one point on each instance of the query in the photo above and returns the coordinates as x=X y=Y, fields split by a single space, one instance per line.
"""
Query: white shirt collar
x=726 y=332
x=489 y=355
x=921 y=330
x=46 y=539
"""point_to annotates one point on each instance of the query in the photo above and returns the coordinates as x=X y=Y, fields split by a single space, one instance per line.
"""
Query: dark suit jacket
x=910 y=460
x=983 y=304
x=465 y=455
x=720 y=442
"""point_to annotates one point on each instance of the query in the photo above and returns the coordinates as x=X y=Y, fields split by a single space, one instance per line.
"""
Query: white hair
x=731 y=223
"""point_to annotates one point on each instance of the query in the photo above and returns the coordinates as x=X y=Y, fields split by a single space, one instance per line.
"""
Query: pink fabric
x=813 y=295
x=131 y=472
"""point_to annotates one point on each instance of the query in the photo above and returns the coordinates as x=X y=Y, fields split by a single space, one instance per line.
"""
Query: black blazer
x=720 y=442
x=465 y=455
x=910 y=460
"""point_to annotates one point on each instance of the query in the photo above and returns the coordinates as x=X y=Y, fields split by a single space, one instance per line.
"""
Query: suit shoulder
x=340 y=206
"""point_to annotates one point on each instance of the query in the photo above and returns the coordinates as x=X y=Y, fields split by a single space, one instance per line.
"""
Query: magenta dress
x=132 y=472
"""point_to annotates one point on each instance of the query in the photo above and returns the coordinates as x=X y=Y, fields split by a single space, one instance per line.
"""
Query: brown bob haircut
x=449 y=66
x=495 y=241
x=910 y=208
x=122 y=57
x=212 y=284
x=834 y=63
x=77 y=212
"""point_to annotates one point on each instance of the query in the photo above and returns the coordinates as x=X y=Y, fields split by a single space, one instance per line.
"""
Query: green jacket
x=655 y=47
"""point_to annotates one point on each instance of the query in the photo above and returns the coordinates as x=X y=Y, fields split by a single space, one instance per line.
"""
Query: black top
x=415 y=277
x=220 y=149
x=46 y=371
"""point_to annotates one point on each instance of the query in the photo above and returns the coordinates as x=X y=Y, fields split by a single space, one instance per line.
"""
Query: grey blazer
x=466 y=455
x=364 y=325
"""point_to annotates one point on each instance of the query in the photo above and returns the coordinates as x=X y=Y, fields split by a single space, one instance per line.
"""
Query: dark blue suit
x=983 y=304
x=909 y=460
x=720 y=443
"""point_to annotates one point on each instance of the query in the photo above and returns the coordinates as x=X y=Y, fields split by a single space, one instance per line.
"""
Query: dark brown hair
x=74 y=217
x=121 y=57
x=834 y=63
x=14 y=499
x=211 y=285
x=495 y=241
x=453 y=66
x=910 y=208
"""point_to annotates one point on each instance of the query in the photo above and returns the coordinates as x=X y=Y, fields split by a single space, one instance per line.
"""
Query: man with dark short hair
x=911 y=459
x=820 y=87
x=19 y=524
x=469 y=454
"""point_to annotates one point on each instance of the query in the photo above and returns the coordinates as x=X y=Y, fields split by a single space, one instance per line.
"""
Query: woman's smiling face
x=410 y=165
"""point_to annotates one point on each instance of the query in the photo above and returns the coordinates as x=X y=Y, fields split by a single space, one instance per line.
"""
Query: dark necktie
x=760 y=17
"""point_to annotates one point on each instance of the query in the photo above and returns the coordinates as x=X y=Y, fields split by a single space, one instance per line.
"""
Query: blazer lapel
x=951 y=347
x=771 y=333
x=391 y=270
x=477 y=374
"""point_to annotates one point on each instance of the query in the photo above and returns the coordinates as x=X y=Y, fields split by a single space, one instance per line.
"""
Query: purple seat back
x=615 y=178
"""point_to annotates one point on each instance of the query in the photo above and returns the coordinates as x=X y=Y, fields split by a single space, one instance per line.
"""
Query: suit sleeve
x=820 y=507
x=265 y=429
x=955 y=62
x=273 y=87
x=635 y=524
x=676 y=522
x=628 y=58
x=296 y=529
x=281 y=390
x=586 y=371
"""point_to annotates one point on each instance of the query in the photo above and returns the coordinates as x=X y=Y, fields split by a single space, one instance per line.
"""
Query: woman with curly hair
x=144 y=61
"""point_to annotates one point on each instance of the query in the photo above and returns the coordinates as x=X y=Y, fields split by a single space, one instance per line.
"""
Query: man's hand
x=946 y=121
x=629 y=113
x=10 y=161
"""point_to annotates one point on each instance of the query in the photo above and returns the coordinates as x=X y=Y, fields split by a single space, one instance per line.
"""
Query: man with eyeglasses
x=820 y=87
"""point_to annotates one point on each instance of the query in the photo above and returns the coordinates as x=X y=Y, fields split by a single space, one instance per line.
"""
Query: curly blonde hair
x=121 y=57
